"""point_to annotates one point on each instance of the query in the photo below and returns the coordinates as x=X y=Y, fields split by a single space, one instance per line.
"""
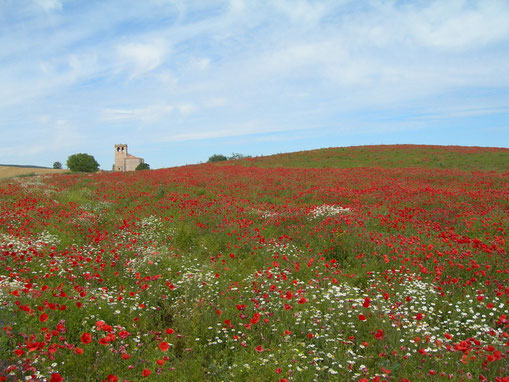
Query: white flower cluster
x=327 y=210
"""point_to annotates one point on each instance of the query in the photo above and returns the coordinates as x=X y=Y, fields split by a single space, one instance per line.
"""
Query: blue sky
x=179 y=81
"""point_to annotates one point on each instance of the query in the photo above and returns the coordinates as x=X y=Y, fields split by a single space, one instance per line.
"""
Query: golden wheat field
x=9 y=172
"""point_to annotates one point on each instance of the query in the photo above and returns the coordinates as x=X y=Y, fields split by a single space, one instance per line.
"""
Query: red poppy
x=55 y=377
x=43 y=317
x=146 y=372
x=379 y=334
x=86 y=338
x=112 y=378
x=362 y=317
x=164 y=346
x=259 y=348
x=367 y=302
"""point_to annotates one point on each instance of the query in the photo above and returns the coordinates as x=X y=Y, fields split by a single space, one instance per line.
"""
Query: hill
x=389 y=156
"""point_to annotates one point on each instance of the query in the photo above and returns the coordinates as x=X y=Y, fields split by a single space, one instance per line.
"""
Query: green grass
x=392 y=156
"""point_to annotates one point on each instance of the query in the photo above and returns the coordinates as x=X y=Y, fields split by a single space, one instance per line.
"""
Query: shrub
x=143 y=166
x=82 y=163
x=57 y=165
x=217 y=158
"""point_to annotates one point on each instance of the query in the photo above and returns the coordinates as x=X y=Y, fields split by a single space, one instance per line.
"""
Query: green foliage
x=391 y=156
x=221 y=157
x=57 y=165
x=143 y=166
x=238 y=156
x=217 y=158
x=82 y=163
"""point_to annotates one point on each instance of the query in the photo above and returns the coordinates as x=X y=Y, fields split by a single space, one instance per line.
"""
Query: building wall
x=122 y=161
x=120 y=156
x=132 y=163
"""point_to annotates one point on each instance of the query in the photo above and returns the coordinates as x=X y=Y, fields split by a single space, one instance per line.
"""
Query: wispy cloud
x=141 y=58
x=170 y=72
x=49 y=5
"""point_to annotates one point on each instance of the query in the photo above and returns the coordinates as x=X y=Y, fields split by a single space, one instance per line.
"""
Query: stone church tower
x=124 y=161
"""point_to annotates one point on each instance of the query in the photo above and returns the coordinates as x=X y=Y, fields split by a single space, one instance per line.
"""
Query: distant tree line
x=221 y=157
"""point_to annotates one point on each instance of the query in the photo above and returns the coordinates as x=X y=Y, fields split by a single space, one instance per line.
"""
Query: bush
x=57 y=165
x=82 y=163
x=142 y=166
x=217 y=158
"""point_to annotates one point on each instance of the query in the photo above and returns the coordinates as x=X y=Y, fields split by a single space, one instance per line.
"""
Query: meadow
x=355 y=264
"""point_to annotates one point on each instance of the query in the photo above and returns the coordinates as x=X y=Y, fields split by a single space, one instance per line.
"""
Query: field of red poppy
x=240 y=272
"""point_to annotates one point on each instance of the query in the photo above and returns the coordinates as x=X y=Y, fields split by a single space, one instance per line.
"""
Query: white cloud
x=147 y=114
x=141 y=58
x=150 y=113
x=49 y=5
x=215 y=102
x=458 y=24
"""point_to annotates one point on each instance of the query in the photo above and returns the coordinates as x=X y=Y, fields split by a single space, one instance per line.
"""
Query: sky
x=179 y=81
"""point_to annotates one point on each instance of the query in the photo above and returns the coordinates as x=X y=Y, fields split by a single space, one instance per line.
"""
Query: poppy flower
x=43 y=317
x=55 y=377
x=379 y=334
x=86 y=338
x=146 y=372
x=164 y=346
x=362 y=317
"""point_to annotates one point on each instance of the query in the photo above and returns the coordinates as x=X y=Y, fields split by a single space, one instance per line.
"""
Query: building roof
x=130 y=156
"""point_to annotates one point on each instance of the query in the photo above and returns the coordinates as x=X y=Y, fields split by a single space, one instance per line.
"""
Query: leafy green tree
x=142 y=166
x=57 y=165
x=217 y=158
x=82 y=163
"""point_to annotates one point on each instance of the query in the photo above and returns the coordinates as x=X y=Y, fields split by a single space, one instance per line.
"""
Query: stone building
x=125 y=161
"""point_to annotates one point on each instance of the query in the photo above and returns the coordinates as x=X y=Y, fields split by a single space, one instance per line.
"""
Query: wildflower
x=86 y=338
x=146 y=372
x=379 y=334
x=55 y=377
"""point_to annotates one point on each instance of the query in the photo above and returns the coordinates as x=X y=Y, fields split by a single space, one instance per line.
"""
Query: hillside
x=390 y=156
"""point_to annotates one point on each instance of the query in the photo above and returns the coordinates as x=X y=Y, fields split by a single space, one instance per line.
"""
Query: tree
x=143 y=166
x=57 y=165
x=238 y=156
x=82 y=163
x=217 y=158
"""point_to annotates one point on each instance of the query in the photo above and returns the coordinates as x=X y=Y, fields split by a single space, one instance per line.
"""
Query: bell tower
x=120 y=156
